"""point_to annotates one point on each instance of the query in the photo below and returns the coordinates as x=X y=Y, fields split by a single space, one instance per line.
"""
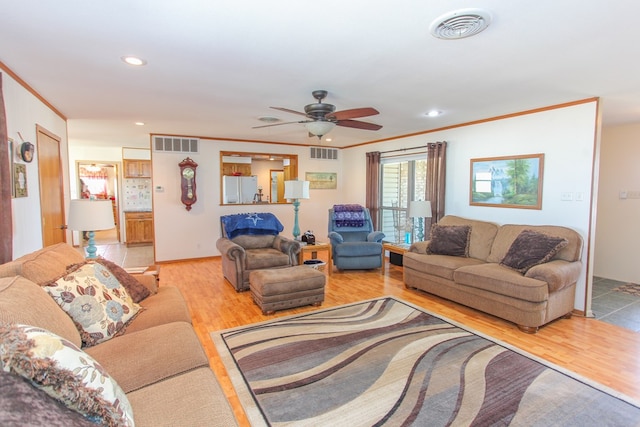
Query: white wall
x=24 y=111
x=618 y=229
x=565 y=136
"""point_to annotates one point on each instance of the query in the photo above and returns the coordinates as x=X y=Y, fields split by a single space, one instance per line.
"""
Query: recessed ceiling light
x=460 y=24
x=139 y=123
x=133 y=60
x=328 y=139
x=433 y=113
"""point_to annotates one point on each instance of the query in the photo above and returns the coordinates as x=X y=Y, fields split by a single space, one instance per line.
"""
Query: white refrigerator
x=239 y=189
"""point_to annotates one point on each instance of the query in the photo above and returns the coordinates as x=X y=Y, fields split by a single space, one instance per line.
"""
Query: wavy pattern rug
x=388 y=362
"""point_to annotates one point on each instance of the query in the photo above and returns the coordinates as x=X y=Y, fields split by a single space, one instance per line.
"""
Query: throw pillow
x=95 y=300
x=136 y=290
x=532 y=248
x=65 y=373
x=449 y=240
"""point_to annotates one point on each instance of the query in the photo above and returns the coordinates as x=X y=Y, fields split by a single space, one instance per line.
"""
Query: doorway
x=277 y=186
x=51 y=187
x=99 y=180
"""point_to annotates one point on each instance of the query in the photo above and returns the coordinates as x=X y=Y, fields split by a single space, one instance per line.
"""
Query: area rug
x=388 y=362
x=629 y=288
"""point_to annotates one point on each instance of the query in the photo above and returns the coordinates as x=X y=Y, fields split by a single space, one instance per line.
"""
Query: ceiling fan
x=322 y=117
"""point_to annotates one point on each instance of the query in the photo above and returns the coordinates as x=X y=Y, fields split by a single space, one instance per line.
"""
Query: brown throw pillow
x=449 y=240
x=532 y=248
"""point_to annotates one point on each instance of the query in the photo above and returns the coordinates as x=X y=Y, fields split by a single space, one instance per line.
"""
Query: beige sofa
x=544 y=293
x=158 y=362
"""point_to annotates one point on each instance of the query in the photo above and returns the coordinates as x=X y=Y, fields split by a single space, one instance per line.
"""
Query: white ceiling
x=214 y=67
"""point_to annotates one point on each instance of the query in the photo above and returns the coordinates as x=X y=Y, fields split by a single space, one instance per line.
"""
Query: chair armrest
x=557 y=273
x=335 y=237
x=288 y=246
x=419 y=247
x=230 y=249
x=375 y=236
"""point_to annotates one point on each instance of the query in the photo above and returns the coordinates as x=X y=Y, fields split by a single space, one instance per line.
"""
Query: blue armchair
x=354 y=243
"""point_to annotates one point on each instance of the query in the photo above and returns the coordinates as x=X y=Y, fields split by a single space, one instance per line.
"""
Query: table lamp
x=420 y=209
x=296 y=190
x=91 y=215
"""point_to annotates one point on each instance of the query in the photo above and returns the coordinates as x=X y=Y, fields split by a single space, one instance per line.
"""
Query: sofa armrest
x=556 y=273
x=150 y=281
x=419 y=247
x=230 y=249
x=335 y=238
x=375 y=236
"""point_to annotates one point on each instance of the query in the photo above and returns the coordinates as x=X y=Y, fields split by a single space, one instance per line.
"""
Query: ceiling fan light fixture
x=460 y=24
x=319 y=127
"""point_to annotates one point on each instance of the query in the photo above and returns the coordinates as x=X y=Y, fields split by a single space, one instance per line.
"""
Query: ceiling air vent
x=460 y=24
x=175 y=144
x=324 y=153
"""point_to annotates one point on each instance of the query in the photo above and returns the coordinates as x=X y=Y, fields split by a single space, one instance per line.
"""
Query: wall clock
x=26 y=151
x=188 y=182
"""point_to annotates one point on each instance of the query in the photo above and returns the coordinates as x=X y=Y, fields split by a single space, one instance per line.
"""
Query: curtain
x=436 y=175
x=95 y=180
x=6 y=220
x=372 y=200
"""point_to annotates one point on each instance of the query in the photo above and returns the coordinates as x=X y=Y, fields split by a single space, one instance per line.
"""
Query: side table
x=396 y=248
x=313 y=250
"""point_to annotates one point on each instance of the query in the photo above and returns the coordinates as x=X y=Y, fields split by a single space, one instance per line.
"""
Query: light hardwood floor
x=602 y=352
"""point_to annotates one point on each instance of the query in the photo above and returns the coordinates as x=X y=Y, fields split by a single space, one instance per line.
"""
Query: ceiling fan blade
x=358 y=125
x=274 y=124
x=354 y=113
x=286 y=110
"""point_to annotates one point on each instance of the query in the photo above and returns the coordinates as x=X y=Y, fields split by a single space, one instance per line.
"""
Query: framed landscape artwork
x=322 y=180
x=507 y=182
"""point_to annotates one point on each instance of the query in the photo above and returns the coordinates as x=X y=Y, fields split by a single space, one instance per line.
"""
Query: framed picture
x=507 y=182
x=322 y=180
x=20 y=180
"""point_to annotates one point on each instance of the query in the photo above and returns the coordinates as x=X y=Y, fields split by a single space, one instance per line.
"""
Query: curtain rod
x=404 y=149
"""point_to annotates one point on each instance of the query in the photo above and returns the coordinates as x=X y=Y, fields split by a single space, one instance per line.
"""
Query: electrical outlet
x=566 y=196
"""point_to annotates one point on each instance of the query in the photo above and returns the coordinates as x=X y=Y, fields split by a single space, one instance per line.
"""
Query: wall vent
x=175 y=144
x=324 y=153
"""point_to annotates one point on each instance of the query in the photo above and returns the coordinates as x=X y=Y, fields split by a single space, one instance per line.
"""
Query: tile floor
x=615 y=307
x=108 y=247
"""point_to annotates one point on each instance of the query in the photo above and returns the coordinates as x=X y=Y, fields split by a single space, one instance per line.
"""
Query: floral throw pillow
x=65 y=373
x=96 y=301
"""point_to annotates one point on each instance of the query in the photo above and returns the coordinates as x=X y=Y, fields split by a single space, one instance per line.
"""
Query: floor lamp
x=296 y=190
x=420 y=209
x=91 y=215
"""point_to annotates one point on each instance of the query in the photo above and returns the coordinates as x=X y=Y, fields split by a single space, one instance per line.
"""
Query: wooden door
x=51 y=188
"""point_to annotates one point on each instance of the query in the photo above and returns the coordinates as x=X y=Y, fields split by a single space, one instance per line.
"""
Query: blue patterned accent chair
x=252 y=241
x=354 y=243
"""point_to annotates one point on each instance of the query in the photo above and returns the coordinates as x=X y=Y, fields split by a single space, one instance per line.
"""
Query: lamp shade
x=320 y=127
x=420 y=209
x=91 y=215
x=296 y=189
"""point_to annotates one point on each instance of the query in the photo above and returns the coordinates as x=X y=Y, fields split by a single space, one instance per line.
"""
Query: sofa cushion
x=95 y=300
x=532 y=248
x=500 y=280
x=482 y=234
x=22 y=301
x=136 y=290
x=450 y=240
x=191 y=399
x=436 y=265
x=22 y=404
x=166 y=306
x=145 y=357
x=64 y=372
x=265 y=258
x=509 y=232
x=44 y=265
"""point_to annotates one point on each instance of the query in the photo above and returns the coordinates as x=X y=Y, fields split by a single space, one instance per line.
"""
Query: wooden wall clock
x=188 y=182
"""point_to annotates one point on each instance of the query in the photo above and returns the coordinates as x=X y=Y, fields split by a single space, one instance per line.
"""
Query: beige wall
x=617 y=233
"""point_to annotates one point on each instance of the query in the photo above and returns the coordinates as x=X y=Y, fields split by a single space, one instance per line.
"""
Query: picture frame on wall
x=507 y=182
x=20 y=180
x=322 y=180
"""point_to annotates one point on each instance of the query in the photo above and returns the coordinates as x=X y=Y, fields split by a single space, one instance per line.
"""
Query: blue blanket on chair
x=251 y=223
x=348 y=215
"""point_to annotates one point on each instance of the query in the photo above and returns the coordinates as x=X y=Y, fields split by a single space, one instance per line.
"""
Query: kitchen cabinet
x=137 y=168
x=139 y=228
x=236 y=168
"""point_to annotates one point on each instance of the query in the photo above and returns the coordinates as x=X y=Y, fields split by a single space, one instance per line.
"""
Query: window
x=402 y=180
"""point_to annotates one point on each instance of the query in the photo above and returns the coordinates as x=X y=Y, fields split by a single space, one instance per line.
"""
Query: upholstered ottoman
x=282 y=288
